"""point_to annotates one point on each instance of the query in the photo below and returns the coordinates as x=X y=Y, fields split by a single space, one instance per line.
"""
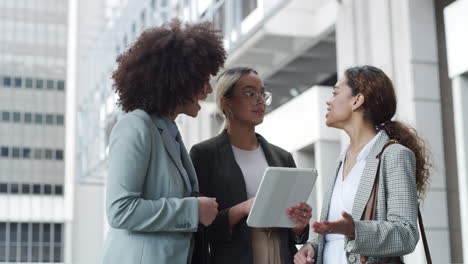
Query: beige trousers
x=265 y=246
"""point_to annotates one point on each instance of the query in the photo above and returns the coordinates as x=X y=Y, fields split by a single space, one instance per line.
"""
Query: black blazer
x=220 y=176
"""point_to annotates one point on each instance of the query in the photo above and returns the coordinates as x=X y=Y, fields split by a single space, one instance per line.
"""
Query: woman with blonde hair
x=370 y=211
x=229 y=168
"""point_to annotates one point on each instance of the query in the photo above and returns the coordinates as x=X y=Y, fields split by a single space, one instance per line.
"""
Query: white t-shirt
x=252 y=164
x=342 y=200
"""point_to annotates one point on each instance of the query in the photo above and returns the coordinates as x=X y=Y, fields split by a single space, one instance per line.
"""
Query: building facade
x=300 y=48
x=33 y=52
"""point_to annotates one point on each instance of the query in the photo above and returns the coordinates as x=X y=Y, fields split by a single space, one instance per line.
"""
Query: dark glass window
x=18 y=82
x=29 y=83
x=60 y=119
x=38 y=118
x=58 y=189
x=16 y=117
x=3 y=188
x=46 y=233
x=4 y=151
x=60 y=85
x=35 y=232
x=59 y=154
x=25 y=188
x=48 y=154
x=27 y=117
x=2 y=232
x=24 y=232
x=5 y=116
x=39 y=83
x=37 y=189
x=13 y=232
x=15 y=152
x=50 y=84
x=27 y=153
x=47 y=189
x=38 y=153
x=49 y=119
x=14 y=188
x=6 y=81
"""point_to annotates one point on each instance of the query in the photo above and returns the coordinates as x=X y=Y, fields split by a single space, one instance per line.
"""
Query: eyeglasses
x=254 y=97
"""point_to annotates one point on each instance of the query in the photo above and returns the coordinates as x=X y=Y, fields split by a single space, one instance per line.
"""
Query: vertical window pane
x=26 y=153
x=50 y=84
x=2 y=241
x=7 y=81
x=39 y=84
x=38 y=118
x=5 y=116
x=58 y=189
x=35 y=232
x=13 y=232
x=49 y=119
x=3 y=188
x=60 y=85
x=14 y=188
x=24 y=232
x=18 y=82
x=60 y=119
x=36 y=243
x=48 y=154
x=16 y=117
x=47 y=189
x=4 y=152
x=15 y=153
x=27 y=117
x=25 y=188
x=57 y=233
x=38 y=153
x=37 y=189
x=59 y=154
x=29 y=83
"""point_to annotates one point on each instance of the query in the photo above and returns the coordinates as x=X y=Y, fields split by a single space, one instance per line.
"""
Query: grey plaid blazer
x=394 y=232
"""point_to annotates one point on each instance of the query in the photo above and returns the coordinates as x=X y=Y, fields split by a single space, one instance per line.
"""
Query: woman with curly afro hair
x=151 y=179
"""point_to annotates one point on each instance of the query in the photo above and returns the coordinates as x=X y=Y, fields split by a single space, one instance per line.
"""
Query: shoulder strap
x=423 y=236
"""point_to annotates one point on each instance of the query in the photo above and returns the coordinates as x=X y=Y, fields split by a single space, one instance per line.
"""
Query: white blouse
x=342 y=200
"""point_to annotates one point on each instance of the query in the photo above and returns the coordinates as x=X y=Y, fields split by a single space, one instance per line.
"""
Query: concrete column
x=460 y=97
x=400 y=38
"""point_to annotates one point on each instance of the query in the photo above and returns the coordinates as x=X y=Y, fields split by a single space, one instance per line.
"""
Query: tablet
x=279 y=189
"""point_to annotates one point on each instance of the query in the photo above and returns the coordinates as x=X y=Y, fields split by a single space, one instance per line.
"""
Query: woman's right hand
x=207 y=210
x=305 y=255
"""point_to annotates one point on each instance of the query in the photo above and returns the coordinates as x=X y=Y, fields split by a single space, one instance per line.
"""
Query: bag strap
x=423 y=235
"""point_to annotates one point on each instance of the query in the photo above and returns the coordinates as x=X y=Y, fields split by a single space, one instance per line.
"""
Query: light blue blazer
x=148 y=203
x=394 y=232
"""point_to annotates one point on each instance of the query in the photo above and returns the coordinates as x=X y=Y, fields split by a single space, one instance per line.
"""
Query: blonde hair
x=225 y=85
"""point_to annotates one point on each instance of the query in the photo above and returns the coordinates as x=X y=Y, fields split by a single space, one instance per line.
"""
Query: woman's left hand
x=300 y=214
x=344 y=226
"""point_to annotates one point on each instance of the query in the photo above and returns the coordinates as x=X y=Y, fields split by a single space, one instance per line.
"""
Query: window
x=60 y=85
x=58 y=189
x=7 y=81
x=3 y=189
x=29 y=83
x=15 y=152
x=48 y=154
x=38 y=153
x=14 y=188
x=49 y=119
x=38 y=118
x=37 y=189
x=5 y=116
x=59 y=154
x=27 y=117
x=39 y=84
x=59 y=119
x=50 y=84
x=25 y=188
x=26 y=153
x=16 y=117
x=47 y=189
x=4 y=152
x=18 y=82
x=247 y=7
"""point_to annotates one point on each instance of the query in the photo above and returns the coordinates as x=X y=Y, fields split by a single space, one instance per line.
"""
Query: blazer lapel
x=271 y=159
x=188 y=165
x=368 y=177
x=232 y=173
x=171 y=149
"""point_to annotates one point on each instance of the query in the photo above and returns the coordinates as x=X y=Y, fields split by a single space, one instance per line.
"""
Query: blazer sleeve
x=202 y=161
x=129 y=157
x=398 y=235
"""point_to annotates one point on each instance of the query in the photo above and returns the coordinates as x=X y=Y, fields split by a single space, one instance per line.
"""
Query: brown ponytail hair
x=379 y=108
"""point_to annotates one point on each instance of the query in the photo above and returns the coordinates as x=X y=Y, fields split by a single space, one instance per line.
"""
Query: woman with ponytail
x=370 y=210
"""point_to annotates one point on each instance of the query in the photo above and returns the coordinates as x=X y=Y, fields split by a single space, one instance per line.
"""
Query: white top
x=342 y=200
x=252 y=164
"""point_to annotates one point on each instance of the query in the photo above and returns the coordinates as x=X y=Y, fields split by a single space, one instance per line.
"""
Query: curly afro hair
x=167 y=66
